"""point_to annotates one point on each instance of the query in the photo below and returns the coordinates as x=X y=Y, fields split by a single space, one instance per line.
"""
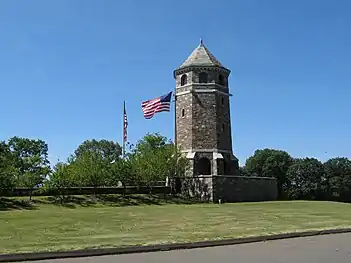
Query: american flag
x=125 y=123
x=150 y=107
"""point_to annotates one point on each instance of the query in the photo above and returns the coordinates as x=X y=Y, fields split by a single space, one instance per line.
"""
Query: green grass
x=47 y=227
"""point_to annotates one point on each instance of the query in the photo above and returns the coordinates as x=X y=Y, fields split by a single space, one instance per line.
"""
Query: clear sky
x=67 y=65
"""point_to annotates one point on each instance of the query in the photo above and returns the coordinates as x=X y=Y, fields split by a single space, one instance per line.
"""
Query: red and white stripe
x=125 y=125
x=150 y=107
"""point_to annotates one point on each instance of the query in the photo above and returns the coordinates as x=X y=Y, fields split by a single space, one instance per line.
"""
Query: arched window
x=221 y=80
x=184 y=80
x=203 y=77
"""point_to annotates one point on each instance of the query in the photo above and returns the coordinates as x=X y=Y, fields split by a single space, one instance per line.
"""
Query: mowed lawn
x=51 y=228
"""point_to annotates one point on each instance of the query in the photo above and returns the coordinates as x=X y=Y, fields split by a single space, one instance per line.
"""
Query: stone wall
x=231 y=188
x=244 y=189
x=184 y=131
x=198 y=187
x=204 y=122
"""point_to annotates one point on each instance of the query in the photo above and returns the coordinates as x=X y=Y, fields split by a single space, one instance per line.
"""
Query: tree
x=95 y=163
x=121 y=171
x=172 y=161
x=270 y=163
x=144 y=168
x=154 y=158
x=305 y=178
x=35 y=173
x=150 y=142
x=243 y=171
x=8 y=171
x=31 y=159
x=62 y=178
x=337 y=184
x=91 y=169
x=109 y=150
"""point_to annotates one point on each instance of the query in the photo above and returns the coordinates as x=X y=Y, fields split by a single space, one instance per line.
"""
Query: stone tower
x=202 y=123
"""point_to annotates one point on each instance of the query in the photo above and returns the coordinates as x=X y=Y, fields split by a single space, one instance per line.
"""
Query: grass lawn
x=48 y=227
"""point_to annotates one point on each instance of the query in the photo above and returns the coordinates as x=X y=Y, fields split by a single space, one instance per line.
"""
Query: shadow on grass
x=133 y=200
x=71 y=201
x=16 y=204
x=117 y=200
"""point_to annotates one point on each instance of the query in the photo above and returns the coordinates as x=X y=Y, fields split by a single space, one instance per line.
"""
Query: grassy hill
x=43 y=226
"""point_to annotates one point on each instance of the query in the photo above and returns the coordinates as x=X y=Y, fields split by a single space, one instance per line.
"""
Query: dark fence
x=88 y=191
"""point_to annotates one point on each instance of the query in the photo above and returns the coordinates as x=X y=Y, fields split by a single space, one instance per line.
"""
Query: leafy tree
x=8 y=171
x=337 y=184
x=95 y=163
x=108 y=150
x=304 y=179
x=270 y=163
x=143 y=168
x=31 y=159
x=35 y=174
x=91 y=169
x=243 y=171
x=62 y=177
x=154 y=158
x=121 y=171
x=26 y=148
x=173 y=161
x=150 y=142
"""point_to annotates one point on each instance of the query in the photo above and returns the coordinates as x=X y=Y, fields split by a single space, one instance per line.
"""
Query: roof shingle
x=201 y=56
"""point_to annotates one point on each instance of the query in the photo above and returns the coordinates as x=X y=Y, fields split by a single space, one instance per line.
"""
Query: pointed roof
x=201 y=56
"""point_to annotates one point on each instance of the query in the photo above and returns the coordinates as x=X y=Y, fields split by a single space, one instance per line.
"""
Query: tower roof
x=201 y=56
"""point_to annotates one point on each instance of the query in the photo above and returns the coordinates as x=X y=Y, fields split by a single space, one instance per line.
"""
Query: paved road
x=321 y=249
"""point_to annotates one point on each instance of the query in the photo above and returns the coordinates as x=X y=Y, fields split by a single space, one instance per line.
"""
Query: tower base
x=215 y=177
x=227 y=188
x=212 y=163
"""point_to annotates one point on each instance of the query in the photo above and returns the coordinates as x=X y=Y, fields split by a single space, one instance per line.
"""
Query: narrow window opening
x=183 y=113
x=222 y=101
x=184 y=80
x=221 y=80
x=203 y=77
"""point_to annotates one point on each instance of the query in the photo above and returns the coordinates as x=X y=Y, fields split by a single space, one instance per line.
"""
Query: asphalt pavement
x=334 y=248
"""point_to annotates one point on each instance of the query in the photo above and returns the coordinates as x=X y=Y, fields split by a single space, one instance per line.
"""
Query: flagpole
x=124 y=141
x=175 y=119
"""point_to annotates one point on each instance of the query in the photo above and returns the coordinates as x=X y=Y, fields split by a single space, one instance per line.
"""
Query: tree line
x=302 y=178
x=99 y=163
x=95 y=163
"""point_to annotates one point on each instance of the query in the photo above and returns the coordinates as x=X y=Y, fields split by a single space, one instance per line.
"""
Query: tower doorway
x=204 y=166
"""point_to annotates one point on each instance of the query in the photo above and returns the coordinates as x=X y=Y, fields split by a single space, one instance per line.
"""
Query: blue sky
x=67 y=65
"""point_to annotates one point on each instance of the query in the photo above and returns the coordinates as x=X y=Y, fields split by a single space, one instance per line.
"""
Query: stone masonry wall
x=227 y=166
x=184 y=123
x=198 y=187
x=223 y=123
x=204 y=128
x=206 y=121
x=230 y=188
x=244 y=189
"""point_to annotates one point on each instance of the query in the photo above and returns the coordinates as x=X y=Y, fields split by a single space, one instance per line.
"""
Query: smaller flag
x=150 y=107
x=125 y=123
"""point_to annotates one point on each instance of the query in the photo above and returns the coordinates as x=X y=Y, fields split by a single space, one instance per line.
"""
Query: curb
x=165 y=247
